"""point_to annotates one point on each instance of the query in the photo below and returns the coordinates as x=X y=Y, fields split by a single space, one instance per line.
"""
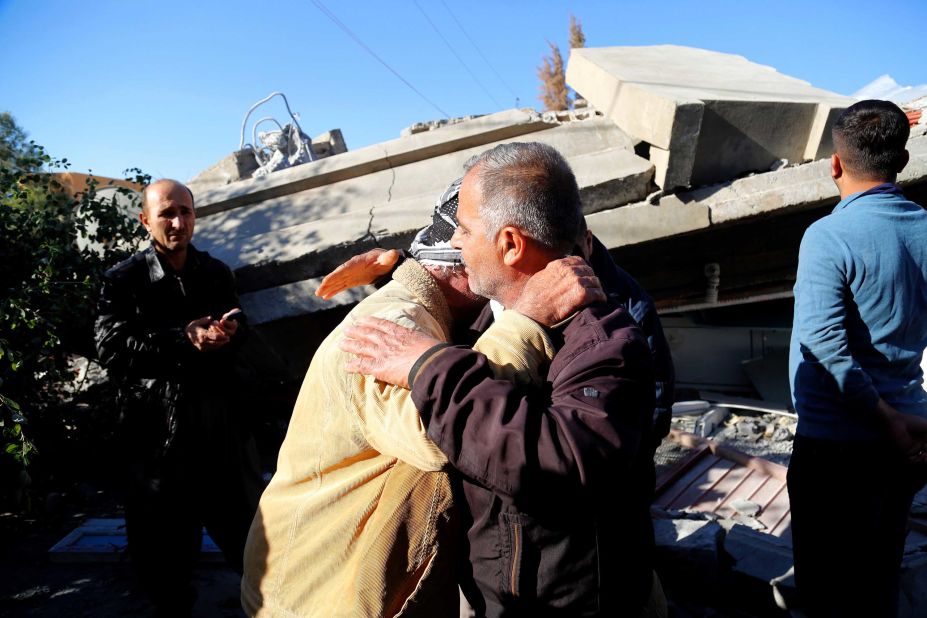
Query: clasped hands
x=207 y=334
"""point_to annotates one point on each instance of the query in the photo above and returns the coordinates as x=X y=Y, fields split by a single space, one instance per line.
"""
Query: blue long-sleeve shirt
x=860 y=324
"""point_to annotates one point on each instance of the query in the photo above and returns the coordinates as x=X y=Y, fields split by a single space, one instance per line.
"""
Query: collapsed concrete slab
x=281 y=233
x=303 y=234
x=707 y=116
x=384 y=156
x=775 y=193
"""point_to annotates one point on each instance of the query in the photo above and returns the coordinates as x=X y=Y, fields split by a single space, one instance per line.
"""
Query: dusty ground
x=31 y=585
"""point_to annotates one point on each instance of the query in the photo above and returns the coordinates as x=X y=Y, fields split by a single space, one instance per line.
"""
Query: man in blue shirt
x=859 y=332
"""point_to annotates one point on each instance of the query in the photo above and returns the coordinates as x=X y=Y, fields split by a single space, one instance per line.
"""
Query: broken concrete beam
x=612 y=169
x=642 y=221
x=710 y=421
x=610 y=178
x=304 y=235
x=312 y=249
x=710 y=116
x=787 y=190
x=483 y=130
x=431 y=125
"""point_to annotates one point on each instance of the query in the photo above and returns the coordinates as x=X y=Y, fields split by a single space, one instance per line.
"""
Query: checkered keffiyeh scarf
x=432 y=245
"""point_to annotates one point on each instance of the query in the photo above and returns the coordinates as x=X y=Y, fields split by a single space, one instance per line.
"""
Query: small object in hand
x=234 y=314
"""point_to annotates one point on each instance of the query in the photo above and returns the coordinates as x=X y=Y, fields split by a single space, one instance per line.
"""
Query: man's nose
x=455 y=239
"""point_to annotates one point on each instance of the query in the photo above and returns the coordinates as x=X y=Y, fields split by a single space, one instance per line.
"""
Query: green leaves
x=54 y=248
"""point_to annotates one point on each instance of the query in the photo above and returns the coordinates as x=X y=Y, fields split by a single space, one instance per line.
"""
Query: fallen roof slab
x=761 y=195
x=483 y=130
x=708 y=116
x=302 y=236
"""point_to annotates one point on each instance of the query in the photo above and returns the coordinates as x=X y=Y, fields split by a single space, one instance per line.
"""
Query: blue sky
x=164 y=85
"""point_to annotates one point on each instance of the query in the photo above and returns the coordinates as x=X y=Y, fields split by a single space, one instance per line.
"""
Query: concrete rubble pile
x=721 y=549
x=758 y=430
x=721 y=516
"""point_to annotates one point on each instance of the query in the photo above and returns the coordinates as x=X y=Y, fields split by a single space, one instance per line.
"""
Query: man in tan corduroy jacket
x=357 y=519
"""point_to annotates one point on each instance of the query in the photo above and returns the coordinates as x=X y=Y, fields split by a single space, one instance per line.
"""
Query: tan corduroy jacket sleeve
x=518 y=349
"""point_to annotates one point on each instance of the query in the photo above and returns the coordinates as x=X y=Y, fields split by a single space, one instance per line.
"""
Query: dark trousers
x=209 y=477
x=850 y=504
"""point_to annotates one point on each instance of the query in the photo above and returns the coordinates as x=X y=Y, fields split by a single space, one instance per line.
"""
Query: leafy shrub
x=49 y=281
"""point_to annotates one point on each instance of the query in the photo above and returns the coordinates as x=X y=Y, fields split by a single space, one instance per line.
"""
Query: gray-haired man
x=551 y=475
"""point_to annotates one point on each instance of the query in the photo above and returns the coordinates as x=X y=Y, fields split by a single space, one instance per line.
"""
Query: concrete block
x=689 y=551
x=329 y=144
x=756 y=554
x=711 y=420
x=916 y=169
x=764 y=565
x=710 y=116
x=696 y=536
x=642 y=221
x=232 y=168
x=611 y=178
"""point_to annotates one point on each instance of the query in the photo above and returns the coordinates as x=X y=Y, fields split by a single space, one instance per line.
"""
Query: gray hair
x=529 y=186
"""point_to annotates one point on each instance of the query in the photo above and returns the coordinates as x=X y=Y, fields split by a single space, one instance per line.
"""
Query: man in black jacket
x=551 y=477
x=168 y=330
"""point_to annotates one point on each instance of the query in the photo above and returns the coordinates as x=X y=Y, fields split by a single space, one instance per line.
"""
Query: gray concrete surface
x=786 y=190
x=708 y=116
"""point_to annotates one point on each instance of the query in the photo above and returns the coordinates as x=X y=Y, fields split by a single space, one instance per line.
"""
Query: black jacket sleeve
x=126 y=344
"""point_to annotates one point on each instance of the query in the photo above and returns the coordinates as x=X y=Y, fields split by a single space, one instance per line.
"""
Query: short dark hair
x=870 y=138
x=529 y=185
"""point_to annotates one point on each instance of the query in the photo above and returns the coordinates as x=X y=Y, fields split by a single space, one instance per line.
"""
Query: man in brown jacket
x=355 y=521
x=558 y=524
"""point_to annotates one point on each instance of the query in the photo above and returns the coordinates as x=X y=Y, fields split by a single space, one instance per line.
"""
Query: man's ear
x=836 y=166
x=904 y=161
x=587 y=244
x=511 y=243
x=143 y=217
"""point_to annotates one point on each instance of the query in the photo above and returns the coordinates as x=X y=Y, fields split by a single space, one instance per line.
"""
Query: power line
x=456 y=55
x=476 y=47
x=348 y=31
